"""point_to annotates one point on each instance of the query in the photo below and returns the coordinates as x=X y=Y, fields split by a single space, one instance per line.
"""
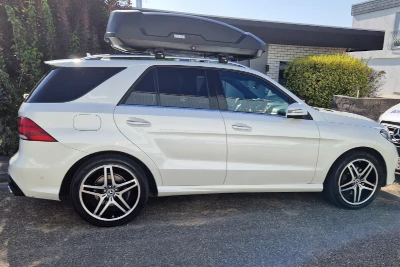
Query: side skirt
x=217 y=189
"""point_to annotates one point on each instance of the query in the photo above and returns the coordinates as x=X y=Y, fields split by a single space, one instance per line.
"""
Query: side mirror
x=296 y=111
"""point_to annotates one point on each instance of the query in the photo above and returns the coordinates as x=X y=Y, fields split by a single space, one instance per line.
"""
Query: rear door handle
x=241 y=127
x=138 y=123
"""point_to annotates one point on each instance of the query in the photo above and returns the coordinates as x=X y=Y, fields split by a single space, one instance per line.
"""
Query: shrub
x=317 y=79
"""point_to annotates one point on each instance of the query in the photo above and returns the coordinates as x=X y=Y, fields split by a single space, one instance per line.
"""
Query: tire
x=344 y=191
x=113 y=201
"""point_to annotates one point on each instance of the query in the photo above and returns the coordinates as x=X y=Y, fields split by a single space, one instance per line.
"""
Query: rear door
x=172 y=115
x=264 y=147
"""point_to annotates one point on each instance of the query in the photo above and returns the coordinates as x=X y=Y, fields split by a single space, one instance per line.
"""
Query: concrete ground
x=271 y=229
x=3 y=168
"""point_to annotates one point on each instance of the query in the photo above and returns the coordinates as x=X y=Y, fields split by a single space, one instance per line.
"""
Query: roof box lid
x=134 y=31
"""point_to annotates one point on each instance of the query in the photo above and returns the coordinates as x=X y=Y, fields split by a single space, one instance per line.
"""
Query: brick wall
x=372 y=6
x=277 y=53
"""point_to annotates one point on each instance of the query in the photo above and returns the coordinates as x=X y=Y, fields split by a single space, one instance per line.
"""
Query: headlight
x=385 y=133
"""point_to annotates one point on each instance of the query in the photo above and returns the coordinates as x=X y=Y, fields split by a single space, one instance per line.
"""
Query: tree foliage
x=33 y=31
x=317 y=79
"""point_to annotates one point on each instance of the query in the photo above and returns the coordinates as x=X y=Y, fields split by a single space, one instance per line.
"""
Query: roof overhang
x=302 y=34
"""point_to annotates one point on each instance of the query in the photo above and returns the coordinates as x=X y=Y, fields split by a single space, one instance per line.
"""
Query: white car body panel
x=187 y=145
x=255 y=155
x=186 y=150
x=391 y=115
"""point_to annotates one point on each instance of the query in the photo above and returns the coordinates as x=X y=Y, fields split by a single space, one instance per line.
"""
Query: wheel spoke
x=118 y=205
x=353 y=170
x=92 y=193
x=126 y=183
x=366 y=172
x=347 y=189
x=99 y=204
x=109 y=170
x=112 y=177
x=93 y=187
x=368 y=183
x=127 y=189
x=359 y=192
x=347 y=184
x=123 y=201
x=105 y=176
x=105 y=207
x=355 y=194
x=367 y=188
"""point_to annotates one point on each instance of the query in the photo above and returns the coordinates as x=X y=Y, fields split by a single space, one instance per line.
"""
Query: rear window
x=67 y=84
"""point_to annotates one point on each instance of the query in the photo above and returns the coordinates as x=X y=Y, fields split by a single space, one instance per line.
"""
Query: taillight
x=28 y=130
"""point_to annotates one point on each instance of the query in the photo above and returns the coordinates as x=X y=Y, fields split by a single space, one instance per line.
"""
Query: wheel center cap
x=110 y=192
x=357 y=181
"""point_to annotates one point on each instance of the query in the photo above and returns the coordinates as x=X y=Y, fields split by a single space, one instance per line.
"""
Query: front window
x=247 y=93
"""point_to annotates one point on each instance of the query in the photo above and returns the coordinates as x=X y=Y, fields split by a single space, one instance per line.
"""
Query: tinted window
x=68 y=84
x=183 y=87
x=247 y=93
x=143 y=91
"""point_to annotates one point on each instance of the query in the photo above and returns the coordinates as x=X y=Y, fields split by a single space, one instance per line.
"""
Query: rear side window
x=171 y=87
x=183 y=87
x=143 y=91
x=67 y=84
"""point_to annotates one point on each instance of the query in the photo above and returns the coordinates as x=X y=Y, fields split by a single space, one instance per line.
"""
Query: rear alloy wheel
x=354 y=182
x=109 y=191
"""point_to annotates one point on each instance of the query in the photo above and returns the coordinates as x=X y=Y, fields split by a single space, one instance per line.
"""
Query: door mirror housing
x=297 y=111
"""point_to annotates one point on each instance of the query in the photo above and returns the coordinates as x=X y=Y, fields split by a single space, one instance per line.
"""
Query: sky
x=319 y=12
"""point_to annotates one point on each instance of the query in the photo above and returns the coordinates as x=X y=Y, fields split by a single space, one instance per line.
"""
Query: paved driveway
x=274 y=229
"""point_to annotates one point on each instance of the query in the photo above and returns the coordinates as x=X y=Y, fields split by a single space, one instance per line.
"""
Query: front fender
x=337 y=139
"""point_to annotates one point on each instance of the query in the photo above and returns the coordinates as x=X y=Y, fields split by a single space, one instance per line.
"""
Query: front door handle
x=138 y=123
x=241 y=127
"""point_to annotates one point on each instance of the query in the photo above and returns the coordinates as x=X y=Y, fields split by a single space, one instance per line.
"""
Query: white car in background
x=107 y=133
x=391 y=119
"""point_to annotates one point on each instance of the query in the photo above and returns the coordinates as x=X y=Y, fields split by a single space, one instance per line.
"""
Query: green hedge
x=317 y=79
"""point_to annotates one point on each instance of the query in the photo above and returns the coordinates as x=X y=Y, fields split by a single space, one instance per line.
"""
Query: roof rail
x=143 y=56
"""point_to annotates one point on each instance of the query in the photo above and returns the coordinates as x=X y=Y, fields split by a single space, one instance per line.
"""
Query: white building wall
x=372 y=15
x=392 y=78
x=384 y=20
x=277 y=53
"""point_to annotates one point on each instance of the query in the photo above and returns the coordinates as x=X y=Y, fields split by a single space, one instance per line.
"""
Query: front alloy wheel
x=358 y=182
x=109 y=191
x=354 y=180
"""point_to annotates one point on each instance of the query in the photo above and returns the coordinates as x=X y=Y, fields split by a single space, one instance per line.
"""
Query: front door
x=170 y=115
x=265 y=147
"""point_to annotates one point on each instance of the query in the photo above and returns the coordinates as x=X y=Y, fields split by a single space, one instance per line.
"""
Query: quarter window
x=68 y=84
x=247 y=93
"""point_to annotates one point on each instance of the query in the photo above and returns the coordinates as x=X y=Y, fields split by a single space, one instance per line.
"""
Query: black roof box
x=134 y=31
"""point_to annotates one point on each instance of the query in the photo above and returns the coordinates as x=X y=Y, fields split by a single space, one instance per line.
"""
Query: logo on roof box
x=179 y=36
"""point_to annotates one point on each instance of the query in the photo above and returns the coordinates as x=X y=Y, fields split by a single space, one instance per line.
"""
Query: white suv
x=108 y=132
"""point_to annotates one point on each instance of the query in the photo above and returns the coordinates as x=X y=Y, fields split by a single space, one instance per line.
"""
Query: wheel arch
x=65 y=185
x=369 y=150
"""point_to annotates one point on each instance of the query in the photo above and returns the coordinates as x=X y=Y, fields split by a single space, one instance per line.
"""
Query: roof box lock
x=161 y=34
